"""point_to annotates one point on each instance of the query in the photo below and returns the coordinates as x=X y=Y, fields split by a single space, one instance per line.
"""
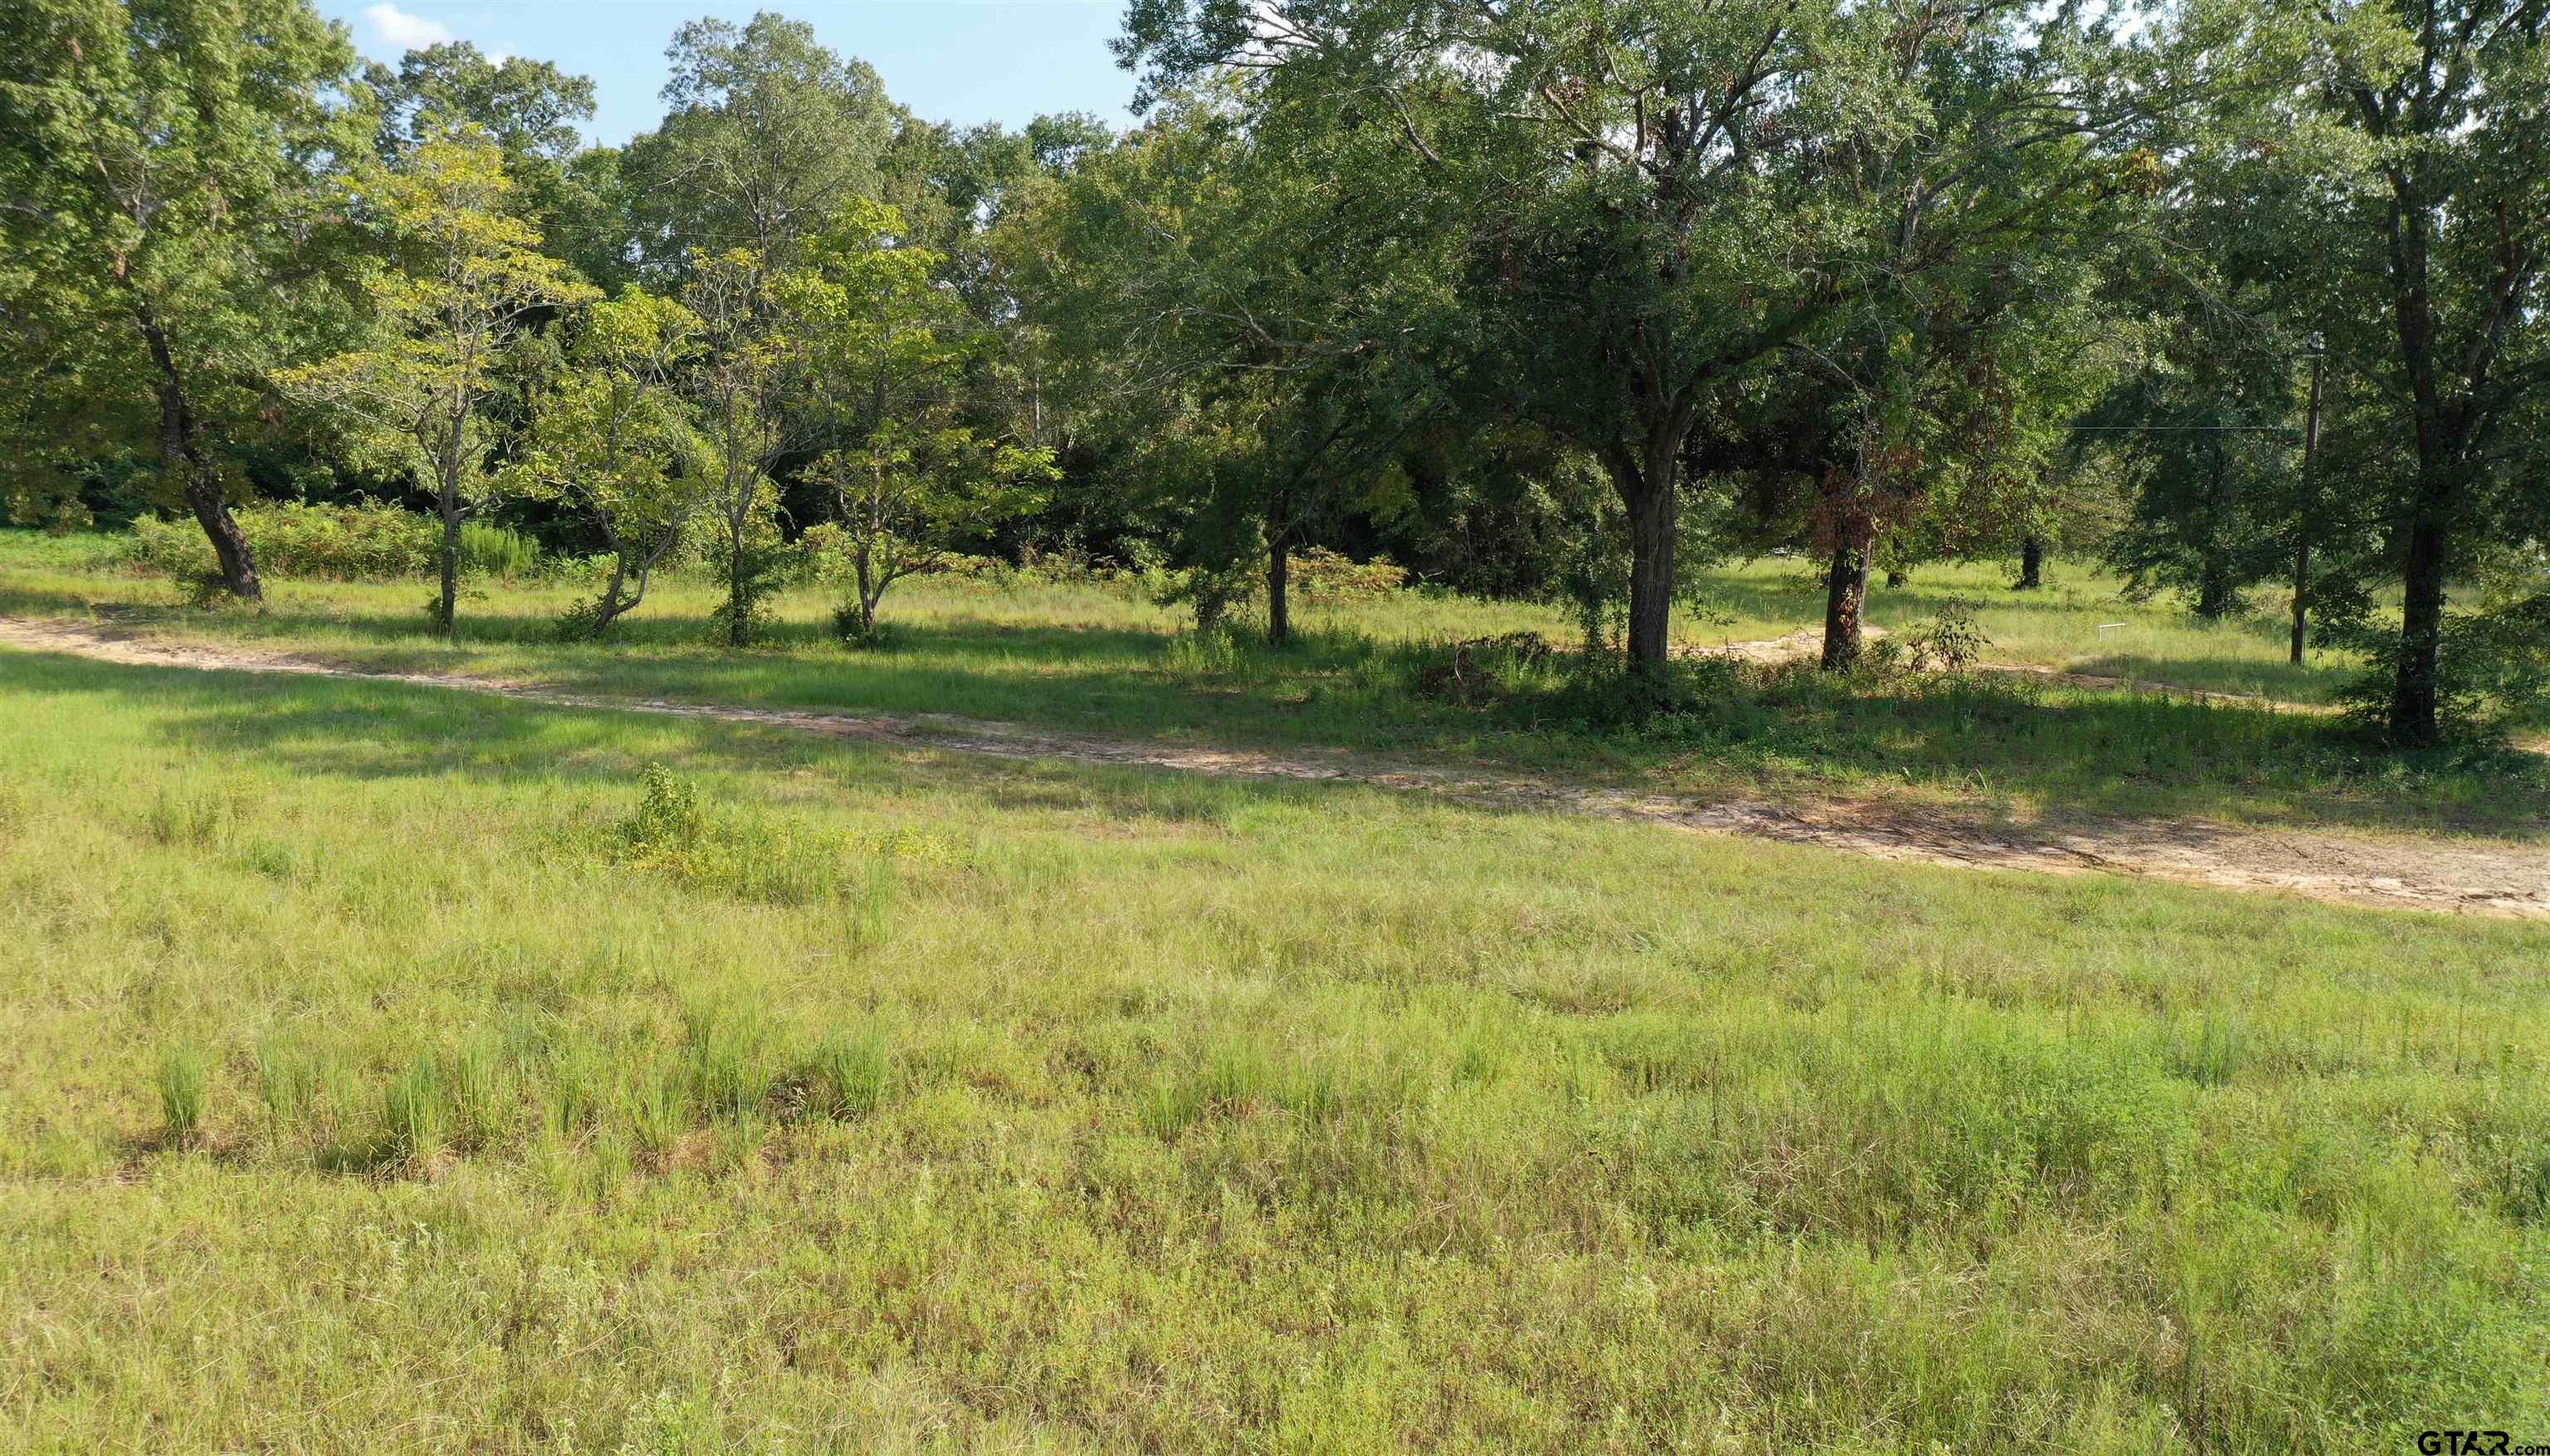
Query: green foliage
x=615 y=439
x=1951 y=641
x=889 y=350
x=307 y=542
x=767 y=135
x=496 y=552
x=1211 y=593
x=2492 y=670
x=528 y=108
x=752 y=575
x=171 y=169
x=738 y=390
x=448 y=322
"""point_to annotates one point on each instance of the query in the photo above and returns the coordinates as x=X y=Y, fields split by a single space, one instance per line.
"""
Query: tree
x=1270 y=329
x=2428 y=210
x=889 y=351
x=528 y=108
x=2209 y=464
x=165 y=170
x=910 y=493
x=768 y=135
x=615 y=439
x=1658 y=197
x=968 y=194
x=739 y=385
x=465 y=282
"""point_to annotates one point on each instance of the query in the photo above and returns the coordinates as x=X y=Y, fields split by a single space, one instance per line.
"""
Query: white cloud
x=395 y=27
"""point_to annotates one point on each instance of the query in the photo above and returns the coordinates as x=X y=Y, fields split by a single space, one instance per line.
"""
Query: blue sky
x=957 y=60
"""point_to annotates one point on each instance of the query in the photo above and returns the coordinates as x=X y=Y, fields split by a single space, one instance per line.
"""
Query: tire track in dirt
x=2469 y=878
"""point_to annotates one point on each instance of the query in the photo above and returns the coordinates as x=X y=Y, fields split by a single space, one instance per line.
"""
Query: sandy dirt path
x=2409 y=873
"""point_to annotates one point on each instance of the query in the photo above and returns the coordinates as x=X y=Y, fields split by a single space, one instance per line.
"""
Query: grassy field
x=393 y=1069
x=1093 y=658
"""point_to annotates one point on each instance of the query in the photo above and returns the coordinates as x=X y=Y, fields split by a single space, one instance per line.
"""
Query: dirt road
x=2470 y=878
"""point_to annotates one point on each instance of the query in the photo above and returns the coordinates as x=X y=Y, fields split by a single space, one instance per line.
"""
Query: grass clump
x=760 y=857
x=181 y=1086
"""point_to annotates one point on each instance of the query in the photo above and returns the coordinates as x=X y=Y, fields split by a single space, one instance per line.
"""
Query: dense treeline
x=1533 y=296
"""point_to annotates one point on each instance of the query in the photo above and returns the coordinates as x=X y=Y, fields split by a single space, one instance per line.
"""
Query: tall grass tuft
x=868 y=923
x=287 y=1081
x=181 y=1081
x=847 y=1075
x=412 y=1109
x=723 y=1048
x=494 y=550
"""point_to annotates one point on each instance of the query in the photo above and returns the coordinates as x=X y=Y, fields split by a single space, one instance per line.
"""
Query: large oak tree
x=170 y=216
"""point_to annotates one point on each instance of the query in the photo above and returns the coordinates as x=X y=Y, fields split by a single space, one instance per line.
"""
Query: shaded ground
x=2467 y=877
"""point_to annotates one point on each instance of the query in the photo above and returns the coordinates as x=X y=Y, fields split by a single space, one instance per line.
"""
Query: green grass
x=1093 y=658
x=1132 y=1112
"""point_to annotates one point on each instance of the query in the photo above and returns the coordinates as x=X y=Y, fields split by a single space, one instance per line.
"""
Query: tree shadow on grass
x=2282 y=681
x=350 y=729
x=1990 y=739
x=1980 y=743
x=1116 y=679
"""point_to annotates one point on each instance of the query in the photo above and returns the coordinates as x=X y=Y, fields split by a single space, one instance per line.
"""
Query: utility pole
x=2302 y=527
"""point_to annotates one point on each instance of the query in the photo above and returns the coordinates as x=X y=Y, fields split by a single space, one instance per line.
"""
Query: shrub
x=853 y=627
x=1321 y=572
x=750 y=576
x=494 y=550
x=2493 y=671
x=1211 y=593
x=759 y=858
x=363 y=542
x=1952 y=641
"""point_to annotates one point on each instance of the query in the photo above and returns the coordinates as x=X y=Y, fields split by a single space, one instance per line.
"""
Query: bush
x=494 y=550
x=852 y=628
x=750 y=857
x=1951 y=641
x=2491 y=673
x=1213 y=594
x=366 y=542
x=1485 y=669
x=1321 y=572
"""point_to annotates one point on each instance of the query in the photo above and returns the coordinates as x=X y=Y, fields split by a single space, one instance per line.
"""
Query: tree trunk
x=181 y=454
x=1846 y=593
x=1649 y=497
x=230 y=544
x=738 y=626
x=2213 y=590
x=2303 y=525
x=2031 y=565
x=450 y=501
x=450 y=605
x=1279 y=577
x=607 y=611
x=2302 y=596
x=2414 y=692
